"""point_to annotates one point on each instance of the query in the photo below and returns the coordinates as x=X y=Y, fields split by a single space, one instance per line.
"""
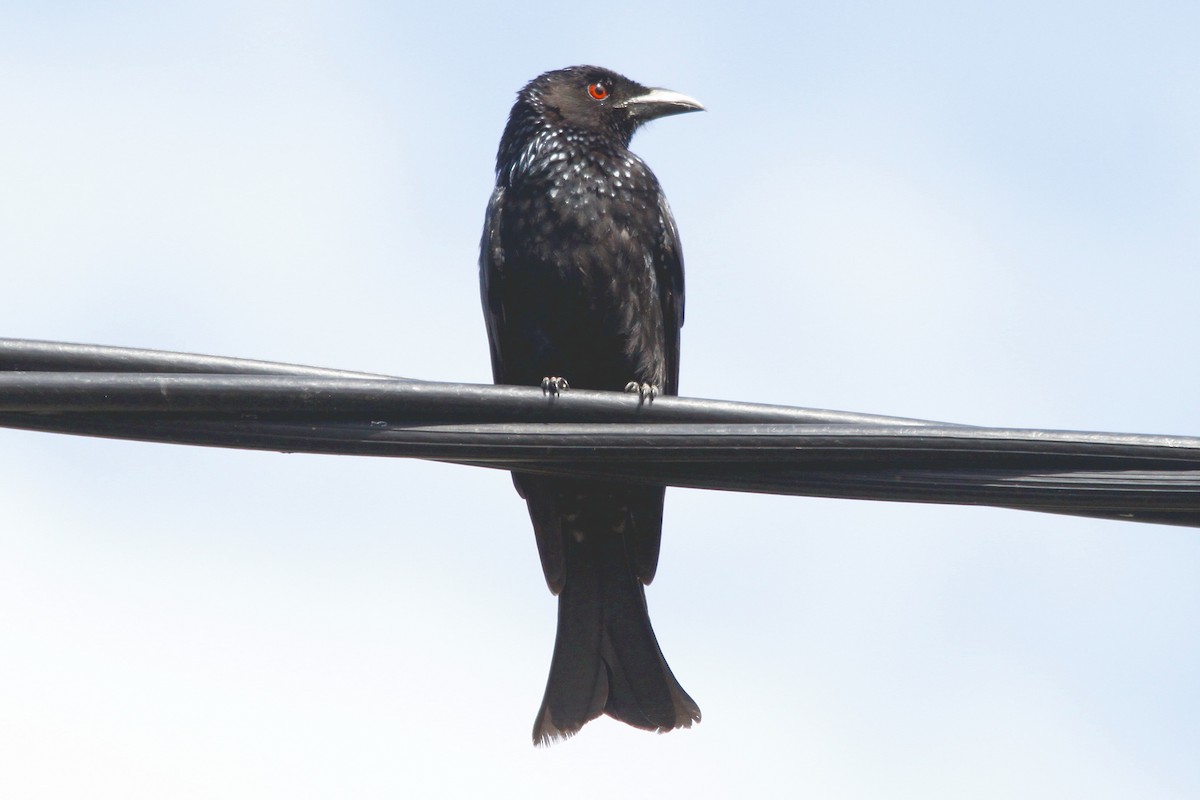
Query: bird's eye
x=598 y=91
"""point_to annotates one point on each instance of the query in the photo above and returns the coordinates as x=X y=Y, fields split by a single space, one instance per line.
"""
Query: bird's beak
x=657 y=103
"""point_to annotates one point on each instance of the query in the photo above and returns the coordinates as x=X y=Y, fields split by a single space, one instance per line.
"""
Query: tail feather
x=606 y=658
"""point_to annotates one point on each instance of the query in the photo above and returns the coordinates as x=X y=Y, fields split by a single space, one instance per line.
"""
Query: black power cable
x=204 y=400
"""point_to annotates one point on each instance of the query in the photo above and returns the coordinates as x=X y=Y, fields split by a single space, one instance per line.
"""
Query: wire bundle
x=180 y=398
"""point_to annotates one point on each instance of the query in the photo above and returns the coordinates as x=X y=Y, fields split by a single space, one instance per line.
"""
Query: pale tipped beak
x=660 y=103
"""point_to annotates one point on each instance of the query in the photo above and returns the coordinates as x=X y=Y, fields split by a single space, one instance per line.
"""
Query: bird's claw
x=646 y=392
x=553 y=385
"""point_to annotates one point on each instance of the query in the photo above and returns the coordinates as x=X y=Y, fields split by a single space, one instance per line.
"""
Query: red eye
x=598 y=91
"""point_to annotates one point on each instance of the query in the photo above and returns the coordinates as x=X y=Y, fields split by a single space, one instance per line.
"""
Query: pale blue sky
x=972 y=212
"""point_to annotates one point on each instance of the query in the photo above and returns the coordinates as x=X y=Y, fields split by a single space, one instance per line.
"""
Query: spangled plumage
x=582 y=279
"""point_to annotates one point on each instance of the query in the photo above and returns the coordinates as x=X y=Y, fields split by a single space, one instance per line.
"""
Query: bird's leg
x=646 y=392
x=553 y=385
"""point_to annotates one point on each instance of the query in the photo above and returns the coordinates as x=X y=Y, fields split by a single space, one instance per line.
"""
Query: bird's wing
x=646 y=503
x=538 y=492
x=670 y=289
x=491 y=266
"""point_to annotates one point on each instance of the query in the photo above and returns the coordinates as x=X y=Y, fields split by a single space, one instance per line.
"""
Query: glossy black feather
x=582 y=278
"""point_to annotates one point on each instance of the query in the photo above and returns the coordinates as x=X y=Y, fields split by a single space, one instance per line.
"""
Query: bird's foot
x=554 y=384
x=646 y=392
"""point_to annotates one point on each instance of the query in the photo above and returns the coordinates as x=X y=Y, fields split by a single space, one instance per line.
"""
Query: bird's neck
x=535 y=140
x=548 y=151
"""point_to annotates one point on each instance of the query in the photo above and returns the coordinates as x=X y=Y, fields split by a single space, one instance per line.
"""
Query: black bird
x=582 y=284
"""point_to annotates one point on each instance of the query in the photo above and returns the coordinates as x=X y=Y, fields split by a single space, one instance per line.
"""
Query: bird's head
x=598 y=100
